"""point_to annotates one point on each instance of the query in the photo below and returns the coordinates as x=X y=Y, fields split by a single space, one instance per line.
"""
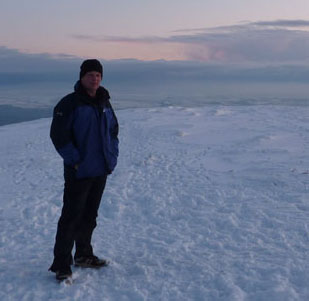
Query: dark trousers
x=81 y=201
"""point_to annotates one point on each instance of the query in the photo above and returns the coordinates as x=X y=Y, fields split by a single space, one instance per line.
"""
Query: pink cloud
x=271 y=41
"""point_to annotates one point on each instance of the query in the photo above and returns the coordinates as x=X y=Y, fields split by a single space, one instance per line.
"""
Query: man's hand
x=76 y=166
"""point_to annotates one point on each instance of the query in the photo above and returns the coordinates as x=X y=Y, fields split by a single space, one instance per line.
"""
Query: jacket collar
x=100 y=99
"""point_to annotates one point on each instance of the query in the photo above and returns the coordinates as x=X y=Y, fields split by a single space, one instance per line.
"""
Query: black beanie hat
x=90 y=65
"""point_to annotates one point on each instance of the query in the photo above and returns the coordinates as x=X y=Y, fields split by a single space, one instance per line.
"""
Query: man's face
x=91 y=80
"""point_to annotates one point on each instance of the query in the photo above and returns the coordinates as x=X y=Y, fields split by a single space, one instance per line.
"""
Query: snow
x=207 y=203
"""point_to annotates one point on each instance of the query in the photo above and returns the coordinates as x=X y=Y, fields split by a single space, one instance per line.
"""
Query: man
x=84 y=132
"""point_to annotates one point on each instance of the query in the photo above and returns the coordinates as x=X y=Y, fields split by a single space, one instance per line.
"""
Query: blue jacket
x=84 y=131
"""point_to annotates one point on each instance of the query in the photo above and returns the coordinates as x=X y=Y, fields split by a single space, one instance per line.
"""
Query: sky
x=209 y=31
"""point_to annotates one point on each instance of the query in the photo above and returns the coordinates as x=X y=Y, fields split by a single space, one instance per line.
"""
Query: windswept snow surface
x=206 y=204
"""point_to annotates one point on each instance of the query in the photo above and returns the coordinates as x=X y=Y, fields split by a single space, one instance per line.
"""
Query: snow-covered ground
x=206 y=203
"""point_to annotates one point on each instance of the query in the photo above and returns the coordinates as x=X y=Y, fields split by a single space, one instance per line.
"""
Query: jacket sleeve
x=114 y=136
x=114 y=132
x=61 y=133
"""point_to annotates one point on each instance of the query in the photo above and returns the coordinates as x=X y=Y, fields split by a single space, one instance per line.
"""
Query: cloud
x=278 y=41
x=245 y=26
x=18 y=67
x=14 y=60
x=118 y=39
x=283 y=23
